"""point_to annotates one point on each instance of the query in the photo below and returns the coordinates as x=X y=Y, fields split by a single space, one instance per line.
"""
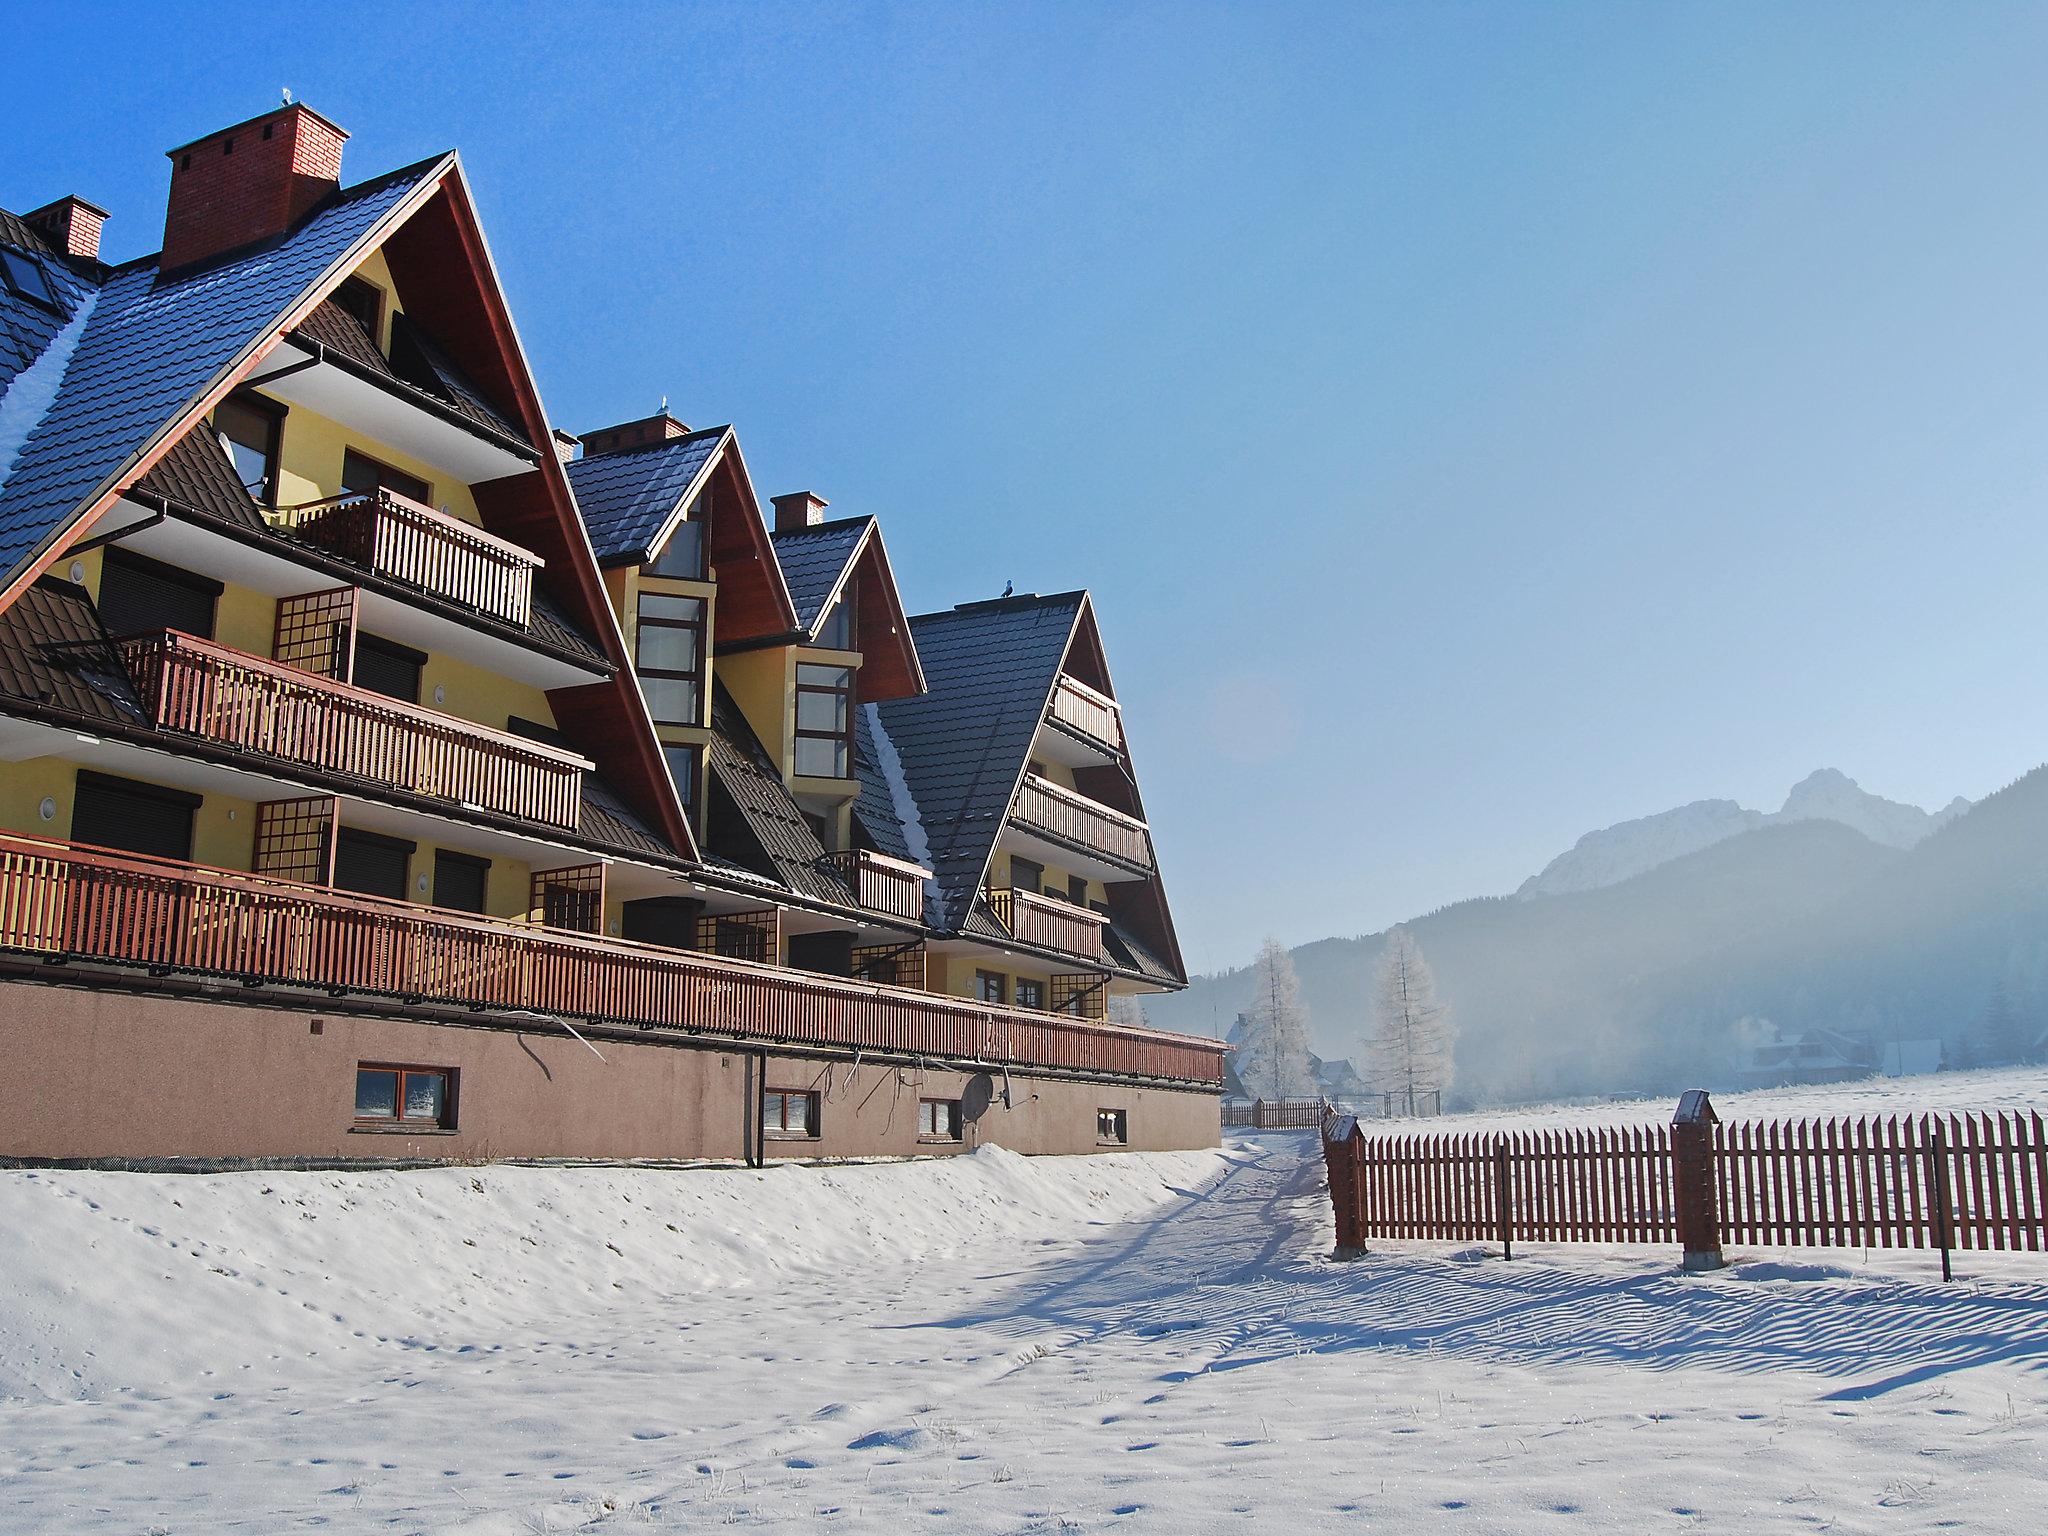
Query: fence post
x=1692 y=1180
x=1504 y=1197
x=1344 y=1157
x=1938 y=1187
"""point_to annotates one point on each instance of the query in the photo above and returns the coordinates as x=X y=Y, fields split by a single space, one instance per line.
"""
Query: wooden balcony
x=1088 y=713
x=890 y=887
x=66 y=902
x=397 y=537
x=271 y=710
x=1049 y=923
x=1046 y=808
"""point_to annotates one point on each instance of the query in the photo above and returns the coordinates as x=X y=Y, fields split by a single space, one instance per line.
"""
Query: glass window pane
x=682 y=767
x=820 y=711
x=812 y=675
x=821 y=757
x=657 y=605
x=684 y=554
x=800 y=1112
x=927 y=1119
x=376 y=1094
x=836 y=633
x=673 y=701
x=668 y=650
x=424 y=1092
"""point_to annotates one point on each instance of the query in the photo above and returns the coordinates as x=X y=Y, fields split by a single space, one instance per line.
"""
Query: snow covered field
x=1135 y=1343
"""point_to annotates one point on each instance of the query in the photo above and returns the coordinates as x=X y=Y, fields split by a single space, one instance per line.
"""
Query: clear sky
x=1478 y=424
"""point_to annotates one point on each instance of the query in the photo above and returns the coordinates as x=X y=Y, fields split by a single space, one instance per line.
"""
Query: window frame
x=839 y=625
x=351 y=452
x=273 y=447
x=693 y=754
x=842 y=738
x=642 y=622
x=778 y=1129
x=445 y=1124
x=378 y=842
x=1038 y=990
x=1112 y=1127
x=938 y=1133
x=996 y=982
x=348 y=290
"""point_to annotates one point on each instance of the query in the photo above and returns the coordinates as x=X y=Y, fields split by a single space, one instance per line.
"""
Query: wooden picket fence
x=1276 y=1115
x=1972 y=1181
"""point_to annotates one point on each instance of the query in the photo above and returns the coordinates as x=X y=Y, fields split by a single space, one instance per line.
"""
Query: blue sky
x=1478 y=423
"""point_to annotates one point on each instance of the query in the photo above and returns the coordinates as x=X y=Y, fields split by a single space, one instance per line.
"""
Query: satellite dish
x=979 y=1093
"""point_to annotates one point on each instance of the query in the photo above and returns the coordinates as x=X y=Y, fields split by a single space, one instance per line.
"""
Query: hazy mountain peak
x=1631 y=848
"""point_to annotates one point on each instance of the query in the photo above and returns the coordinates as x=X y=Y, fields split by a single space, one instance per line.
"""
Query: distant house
x=1817 y=1056
x=1912 y=1058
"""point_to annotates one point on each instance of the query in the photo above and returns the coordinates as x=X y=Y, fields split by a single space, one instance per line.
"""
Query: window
x=1112 y=1127
x=371 y=863
x=669 y=654
x=132 y=816
x=1077 y=890
x=460 y=880
x=683 y=555
x=682 y=768
x=386 y=667
x=139 y=595
x=836 y=633
x=821 y=828
x=362 y=474
x=824 y=720
x=1030 y=994
x=412 y=1098
x=250 y=431
x=1026 y=874
x=363 y=300
x=991 y=986
x=790 y=1113
x=938 y=1120
x=24 y=276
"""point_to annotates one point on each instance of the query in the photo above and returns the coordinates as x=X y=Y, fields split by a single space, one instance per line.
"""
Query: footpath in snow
x=1134 y=1343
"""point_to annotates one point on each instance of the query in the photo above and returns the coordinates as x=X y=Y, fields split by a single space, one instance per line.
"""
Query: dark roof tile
x=626 y=498
x=813 y=560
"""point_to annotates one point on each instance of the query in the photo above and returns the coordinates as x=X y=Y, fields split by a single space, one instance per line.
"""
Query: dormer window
x=836 y=632
x=824 y=721
x=683 y=556
x=25 y=278
x=365 y=301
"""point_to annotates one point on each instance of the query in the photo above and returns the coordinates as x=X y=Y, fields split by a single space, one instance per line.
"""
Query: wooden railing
x=1094 y=715
x=252 y=705
x=1046 y=807
x=891 y=887
x=403 y=539
x=1035 y=919
x=64 y=900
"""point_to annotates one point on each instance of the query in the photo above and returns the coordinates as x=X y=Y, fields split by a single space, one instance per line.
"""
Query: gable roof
x=137 y=354
x=630 y=499
x=815 y=562
x=822 y=562
x=990 y=668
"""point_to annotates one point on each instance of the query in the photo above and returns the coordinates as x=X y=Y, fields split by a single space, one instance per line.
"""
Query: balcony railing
x=1094 y=715
x=253 y=705
x=409 y=542
x=1044 y=806
x=891 y=887
x=70 y=902
x=1035 y=919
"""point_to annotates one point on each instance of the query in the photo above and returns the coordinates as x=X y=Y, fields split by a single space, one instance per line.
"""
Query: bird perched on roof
x=1009 y=587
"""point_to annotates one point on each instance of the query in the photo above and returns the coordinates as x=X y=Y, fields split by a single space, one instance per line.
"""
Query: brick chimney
x=566 y=444
x=658 y=428
x=799 y=509
x=71 y=225
x=248 y=183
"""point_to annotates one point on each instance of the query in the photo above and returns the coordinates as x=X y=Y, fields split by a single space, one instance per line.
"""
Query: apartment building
x=342 y=819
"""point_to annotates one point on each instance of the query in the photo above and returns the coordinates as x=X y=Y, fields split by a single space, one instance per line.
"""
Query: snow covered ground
x=1135 y=1343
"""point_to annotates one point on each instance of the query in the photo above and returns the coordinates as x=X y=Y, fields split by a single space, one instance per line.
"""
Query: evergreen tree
x=1409 y=1051
x=1271 y=1059
x=1998 y=1038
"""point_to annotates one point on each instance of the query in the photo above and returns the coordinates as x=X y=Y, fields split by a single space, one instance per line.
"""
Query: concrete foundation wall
x=102 y=1073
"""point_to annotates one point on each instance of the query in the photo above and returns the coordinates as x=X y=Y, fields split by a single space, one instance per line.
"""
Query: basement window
x=1113 y=1127
x=938 y=1120
x=405 y=1098
x=790 y=1114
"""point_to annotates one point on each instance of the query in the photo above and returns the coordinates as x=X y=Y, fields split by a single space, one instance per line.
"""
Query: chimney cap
x=71 y=199
x=641 y=432
x=798 y=509
x=261 y=117
x=71 y=224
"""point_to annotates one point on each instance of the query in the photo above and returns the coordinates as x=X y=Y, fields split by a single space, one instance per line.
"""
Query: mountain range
x=1659 y=949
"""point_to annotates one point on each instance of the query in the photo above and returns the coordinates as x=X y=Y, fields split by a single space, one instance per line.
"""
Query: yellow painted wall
x=474 y=693
x=311 y=464
x=760 y=683
x=22 y=788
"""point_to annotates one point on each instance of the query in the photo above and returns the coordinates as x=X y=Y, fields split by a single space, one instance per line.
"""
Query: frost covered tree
x=1272 y=1057
x=1128 y=1011
x=1408 y=1052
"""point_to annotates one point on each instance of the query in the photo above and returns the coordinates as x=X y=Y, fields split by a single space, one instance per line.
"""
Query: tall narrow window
x=836 y=633
x=824 y=721
x=250 y=431
x=361 y=474
x=683 y=555
x=670 y=656
x=991 y=986
x=683 y=770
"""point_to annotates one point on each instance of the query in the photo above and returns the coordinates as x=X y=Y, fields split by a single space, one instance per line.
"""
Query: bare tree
x=1408 y=1054
x=1272 y=1058
x=1128 y=1009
